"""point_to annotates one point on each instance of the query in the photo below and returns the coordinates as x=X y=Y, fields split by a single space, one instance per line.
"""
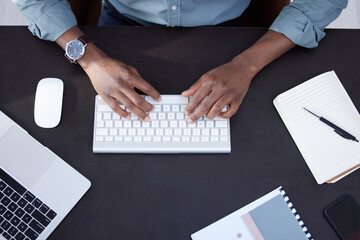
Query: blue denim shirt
x=302 y=21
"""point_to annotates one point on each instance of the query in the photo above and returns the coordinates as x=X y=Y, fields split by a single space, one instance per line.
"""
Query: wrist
x=93 y=55
x=247 y=61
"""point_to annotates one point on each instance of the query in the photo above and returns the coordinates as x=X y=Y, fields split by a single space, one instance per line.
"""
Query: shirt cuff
x=296 y=26
x=54 y=22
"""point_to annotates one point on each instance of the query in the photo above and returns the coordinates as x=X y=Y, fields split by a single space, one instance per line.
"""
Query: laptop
x=37 y=188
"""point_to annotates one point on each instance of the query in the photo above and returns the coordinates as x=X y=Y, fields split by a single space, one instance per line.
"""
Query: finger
x=115 y=107
x=195 y=87
x=204 y=107
x=218 y=107
x=198 y=97
x=132 y=107
x=138 y=100
x=234 y=106
x=146 y=87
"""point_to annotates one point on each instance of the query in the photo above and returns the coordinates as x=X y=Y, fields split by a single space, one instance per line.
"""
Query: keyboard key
x=19 y=212
x=22 y=227
x=20 y=236
x=12 y=182
x=195 y=139
x=2 y=209
x=12 y=231
x=118 y=139
x=223 y=132
x=40 y=218
x=100 y=124
x=1 y=195
x=37 y=203
x=200 y=124
x=15 y=197
x=154 y=124
x=8 y=191
x=26 y=218
x=109 y=124
x=22 y=202
x=214 y=132
x=15 y=221
x=221 y=124
x=29 y=208
x=214 y=139
x=6 y=201
x=99 y=139
x=5 y=225
x=44 y=209
x=31 y=234
x=171 y=116
x=36 y=226
x=1 y=230
x=51 y=214
x=175 y=108
x=185 y=139
x=223 y=139
x=104 y=108
x=102 y=132
x=29 y=196
x=166 y=108
x=107 y=116
x=209 y=124
x=204 y=139
x=6 y=235
x=180 y=116
x=8 y=215
x=2 y=185
x=109 y=139
x=12 y=207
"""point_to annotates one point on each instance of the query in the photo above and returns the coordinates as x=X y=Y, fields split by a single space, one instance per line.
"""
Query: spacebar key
x=12 y=182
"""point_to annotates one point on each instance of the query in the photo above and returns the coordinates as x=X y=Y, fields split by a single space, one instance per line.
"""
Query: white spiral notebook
x=270 y=217
x=329 y=156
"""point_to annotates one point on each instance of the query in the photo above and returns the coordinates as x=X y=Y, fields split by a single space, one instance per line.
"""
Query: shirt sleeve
x=304 y=21
x=49 y=19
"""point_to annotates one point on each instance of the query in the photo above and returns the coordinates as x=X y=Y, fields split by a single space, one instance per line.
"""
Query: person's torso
x=186 y=13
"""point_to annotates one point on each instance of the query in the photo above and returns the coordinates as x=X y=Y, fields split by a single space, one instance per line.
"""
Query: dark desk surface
x=172 y=196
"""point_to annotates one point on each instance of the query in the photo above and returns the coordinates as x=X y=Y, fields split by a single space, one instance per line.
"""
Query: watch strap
x=85 y=39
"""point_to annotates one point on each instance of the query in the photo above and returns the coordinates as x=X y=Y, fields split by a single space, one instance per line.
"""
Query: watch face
x=75 y=49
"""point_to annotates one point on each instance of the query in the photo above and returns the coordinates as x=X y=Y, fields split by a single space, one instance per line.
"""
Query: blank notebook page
x=326 y=153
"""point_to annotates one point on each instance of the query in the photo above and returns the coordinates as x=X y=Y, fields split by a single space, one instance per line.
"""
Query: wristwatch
x=75 y=49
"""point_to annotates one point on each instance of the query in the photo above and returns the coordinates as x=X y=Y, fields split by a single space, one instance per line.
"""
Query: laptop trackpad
x=23 y=156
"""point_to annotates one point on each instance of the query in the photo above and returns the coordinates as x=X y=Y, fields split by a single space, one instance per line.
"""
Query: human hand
x=226 y=84
x=115 y=80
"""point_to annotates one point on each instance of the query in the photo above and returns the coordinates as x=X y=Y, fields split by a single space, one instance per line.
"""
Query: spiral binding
x=297 y=216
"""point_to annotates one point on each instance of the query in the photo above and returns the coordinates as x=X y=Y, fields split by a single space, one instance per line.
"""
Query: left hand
x=226 y=84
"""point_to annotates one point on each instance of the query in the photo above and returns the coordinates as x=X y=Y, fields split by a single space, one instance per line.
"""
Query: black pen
x=337 y=129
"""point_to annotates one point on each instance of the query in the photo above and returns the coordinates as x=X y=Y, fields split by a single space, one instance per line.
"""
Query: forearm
x=269 y=47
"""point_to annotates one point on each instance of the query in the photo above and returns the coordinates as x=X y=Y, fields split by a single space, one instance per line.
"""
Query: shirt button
x=174 y=7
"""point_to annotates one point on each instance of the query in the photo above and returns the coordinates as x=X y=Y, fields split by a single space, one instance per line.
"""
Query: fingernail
x=128 y=117
x=146 y=119
x=159 y=99
x=189 y=121
x=186 y=113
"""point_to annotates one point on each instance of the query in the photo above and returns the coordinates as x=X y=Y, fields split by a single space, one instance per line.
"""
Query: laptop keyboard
x=167 y=131
x=23 y=216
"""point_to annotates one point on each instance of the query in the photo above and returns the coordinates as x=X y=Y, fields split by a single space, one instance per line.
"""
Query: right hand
x=115 y=80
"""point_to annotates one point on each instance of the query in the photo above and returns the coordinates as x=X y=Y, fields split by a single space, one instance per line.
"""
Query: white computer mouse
x=48 y=102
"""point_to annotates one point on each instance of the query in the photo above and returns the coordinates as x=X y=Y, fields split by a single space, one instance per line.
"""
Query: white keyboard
x=167 y=131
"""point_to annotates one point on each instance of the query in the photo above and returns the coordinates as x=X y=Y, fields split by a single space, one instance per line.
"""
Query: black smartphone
x=344 y=217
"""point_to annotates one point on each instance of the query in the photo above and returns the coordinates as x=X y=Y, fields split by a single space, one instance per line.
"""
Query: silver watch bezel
x=82 y=50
